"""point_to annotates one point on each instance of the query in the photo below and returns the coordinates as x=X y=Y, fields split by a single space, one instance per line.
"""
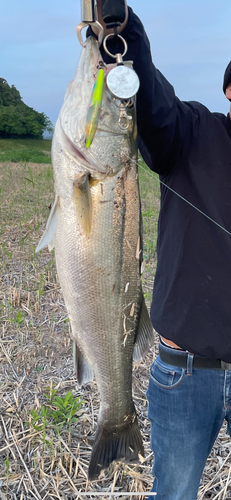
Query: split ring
x=106 y=49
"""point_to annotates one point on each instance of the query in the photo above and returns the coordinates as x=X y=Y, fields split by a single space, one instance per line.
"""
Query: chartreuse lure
x=93 y=113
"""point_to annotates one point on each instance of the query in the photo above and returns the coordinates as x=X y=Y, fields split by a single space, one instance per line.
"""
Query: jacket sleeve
x=166 y=125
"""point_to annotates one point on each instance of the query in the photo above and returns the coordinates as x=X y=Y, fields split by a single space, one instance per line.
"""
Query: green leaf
x=68 y=398
x=19 y=317
x=36 y=427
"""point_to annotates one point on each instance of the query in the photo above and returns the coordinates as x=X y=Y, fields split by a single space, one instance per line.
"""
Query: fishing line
x=155 y=176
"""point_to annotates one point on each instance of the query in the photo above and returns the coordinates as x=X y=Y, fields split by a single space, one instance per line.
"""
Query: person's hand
x=100 y=19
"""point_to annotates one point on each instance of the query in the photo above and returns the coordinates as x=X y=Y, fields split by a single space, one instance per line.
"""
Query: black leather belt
x=179 y=358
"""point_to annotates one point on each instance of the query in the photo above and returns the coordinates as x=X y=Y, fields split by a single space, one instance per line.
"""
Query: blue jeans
x=186 y=411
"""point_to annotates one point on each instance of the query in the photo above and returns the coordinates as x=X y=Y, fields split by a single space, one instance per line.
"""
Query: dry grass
x=36 y=356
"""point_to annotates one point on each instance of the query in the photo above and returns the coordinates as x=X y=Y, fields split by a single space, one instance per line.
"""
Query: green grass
x=18 y=144
x=29 y=155
x=29 y=150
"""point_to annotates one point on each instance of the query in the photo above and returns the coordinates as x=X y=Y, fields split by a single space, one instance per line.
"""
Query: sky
x=190 y=43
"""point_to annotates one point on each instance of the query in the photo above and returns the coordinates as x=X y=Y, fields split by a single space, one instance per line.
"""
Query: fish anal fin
x=83 y=370
x=119 y=442
x=83 y=202
x=49 y=233
x=145 y=334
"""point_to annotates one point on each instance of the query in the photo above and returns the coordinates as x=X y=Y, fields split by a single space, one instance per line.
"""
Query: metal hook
x=95 y=24
x=88 y=15
x=124 y=119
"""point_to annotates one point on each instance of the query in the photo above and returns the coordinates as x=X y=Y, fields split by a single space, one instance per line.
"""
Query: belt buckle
x=225 y=366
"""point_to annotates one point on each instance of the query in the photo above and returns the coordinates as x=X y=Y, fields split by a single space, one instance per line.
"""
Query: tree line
x=18 y=120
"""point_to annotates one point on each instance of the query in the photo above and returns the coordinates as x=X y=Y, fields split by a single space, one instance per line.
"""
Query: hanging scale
x=122 y=81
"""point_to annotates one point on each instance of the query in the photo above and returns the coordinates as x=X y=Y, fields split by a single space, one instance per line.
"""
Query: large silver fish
x=95 y=227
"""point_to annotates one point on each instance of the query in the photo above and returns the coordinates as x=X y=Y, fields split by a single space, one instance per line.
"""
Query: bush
x=17 y=119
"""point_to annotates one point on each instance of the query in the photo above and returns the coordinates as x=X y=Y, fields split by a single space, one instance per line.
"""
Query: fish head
x=115 y=138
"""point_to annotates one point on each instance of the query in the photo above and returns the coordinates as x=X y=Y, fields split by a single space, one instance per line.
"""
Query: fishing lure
x=93 y=113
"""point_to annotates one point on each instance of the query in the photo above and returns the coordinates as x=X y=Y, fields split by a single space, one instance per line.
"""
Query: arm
x=165 y=124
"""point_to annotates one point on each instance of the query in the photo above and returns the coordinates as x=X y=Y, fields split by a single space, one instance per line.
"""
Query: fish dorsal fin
x=83 y=370
x=49 y=233
x=83 y=202
x=145 y=334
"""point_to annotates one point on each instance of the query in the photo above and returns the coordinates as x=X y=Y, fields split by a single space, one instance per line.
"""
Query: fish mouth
x=82 y=156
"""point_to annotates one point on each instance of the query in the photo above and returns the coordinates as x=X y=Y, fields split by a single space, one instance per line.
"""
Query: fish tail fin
x=115 y=443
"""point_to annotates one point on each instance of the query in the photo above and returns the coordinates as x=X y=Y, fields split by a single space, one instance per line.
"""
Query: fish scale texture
x=100 y=280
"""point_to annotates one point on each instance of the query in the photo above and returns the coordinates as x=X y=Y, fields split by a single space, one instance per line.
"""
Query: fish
x=95 y=227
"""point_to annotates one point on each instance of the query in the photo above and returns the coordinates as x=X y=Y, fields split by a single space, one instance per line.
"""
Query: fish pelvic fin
x=119 y=442
x=83 y=202
x=83 y=370
x=49 y=233
x=145 y=334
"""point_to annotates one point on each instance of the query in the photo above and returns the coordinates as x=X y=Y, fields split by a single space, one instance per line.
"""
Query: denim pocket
x=166 y=376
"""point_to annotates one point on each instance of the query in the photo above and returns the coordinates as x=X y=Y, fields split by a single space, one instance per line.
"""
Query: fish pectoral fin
x=49 y=233
x=116 y=442
x=83 y=202
x=83 y=370
x=145 y=334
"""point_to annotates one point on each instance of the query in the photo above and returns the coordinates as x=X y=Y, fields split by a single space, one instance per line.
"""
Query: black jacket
x=190 y=148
